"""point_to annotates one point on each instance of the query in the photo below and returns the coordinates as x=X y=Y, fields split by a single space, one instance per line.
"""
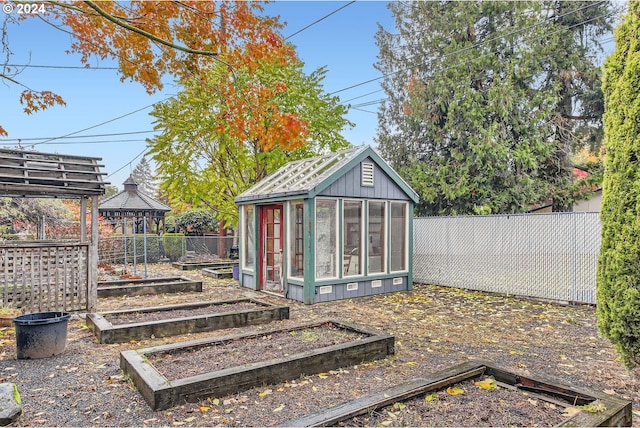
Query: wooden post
x=92 y=276
x=83 y=219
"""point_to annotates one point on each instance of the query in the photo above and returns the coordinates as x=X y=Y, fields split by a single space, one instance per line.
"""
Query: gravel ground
x=434 y=328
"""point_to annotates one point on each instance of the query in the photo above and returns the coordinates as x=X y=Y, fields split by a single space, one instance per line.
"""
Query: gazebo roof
x=131 y=200
x=40 y=175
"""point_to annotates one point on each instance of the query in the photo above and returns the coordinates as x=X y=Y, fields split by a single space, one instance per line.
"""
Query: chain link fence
x=549 y=256
x=138 y=249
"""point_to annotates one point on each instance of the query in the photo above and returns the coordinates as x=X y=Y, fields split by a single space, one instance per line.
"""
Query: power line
x=472 y=46
x=477 y=45
x=321 y=19
x=61 y=67
x=75 y=136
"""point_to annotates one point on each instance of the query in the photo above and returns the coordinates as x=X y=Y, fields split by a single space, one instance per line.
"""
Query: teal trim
x=410 y=243
x=340 y=221
x=286 y=245
x=309 y=216
x=256 y=245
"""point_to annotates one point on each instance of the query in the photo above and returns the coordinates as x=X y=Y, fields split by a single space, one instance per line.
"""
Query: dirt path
x=434 y=328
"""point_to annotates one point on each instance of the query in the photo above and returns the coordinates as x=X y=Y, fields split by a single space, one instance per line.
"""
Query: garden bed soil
x=498 y=398
x=139 y=287
x=166 y=376
x=435 y=328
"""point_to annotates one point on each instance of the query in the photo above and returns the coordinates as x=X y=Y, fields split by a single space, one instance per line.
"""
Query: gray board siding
x=339 y=291
x=349 y=186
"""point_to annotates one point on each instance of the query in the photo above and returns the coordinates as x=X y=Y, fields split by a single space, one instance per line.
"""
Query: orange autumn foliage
x=185 y=39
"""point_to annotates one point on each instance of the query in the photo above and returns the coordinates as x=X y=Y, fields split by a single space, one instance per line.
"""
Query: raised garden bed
x=218 y=264
x=218 y=273
x=169 y=375
x=138 y=287
x=406 y=404
x=172 y=320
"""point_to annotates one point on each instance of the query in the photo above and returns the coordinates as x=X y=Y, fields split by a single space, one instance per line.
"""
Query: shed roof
x=35 y=174
x=131 y=199
x=308 y=177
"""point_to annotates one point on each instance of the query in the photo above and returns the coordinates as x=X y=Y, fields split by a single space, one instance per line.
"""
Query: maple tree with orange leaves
x=183 y=39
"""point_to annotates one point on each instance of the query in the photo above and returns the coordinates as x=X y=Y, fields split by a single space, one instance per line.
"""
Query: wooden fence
x=44 y=276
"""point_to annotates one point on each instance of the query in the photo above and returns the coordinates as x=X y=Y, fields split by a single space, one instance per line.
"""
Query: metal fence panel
x=549 y=256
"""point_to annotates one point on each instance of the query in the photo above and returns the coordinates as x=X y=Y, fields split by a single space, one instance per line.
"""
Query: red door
x=271 y=245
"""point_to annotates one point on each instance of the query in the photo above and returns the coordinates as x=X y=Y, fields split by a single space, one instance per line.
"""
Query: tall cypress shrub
x=618 y=278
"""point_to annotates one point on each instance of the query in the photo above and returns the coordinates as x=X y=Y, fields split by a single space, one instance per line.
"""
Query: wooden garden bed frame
x=218 y=273
x=138 y=287
x=617 y=413
x=220 y=264
x=109 y=333
x=162 y=393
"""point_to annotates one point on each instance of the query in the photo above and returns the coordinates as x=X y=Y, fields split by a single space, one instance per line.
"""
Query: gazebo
x=51 y=275
x=331 y=227
x=132 y=204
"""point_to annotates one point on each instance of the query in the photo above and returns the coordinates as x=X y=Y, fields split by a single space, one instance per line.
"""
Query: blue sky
x=343 y=42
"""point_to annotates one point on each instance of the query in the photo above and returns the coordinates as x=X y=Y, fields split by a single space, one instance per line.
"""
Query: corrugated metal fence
x=548 y=256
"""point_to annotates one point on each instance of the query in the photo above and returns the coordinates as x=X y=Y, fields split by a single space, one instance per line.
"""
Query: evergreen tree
x=143 y=176
x=618 y=280
x=477 y=97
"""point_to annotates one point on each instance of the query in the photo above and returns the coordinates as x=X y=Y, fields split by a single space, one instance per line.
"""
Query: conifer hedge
x=618 y=278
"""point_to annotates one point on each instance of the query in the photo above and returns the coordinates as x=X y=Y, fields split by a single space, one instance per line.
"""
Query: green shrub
x=618 y=277
x=172 y=245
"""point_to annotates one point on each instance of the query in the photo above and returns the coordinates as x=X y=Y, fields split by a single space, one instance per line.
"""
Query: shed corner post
x=92 y=274
x=309 y=288
x=410 y=243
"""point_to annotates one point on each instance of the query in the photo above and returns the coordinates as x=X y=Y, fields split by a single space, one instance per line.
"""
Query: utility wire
x=321 y=19
x=62 y=67
x=365 y=104
x=458 y=51
x=75 y=136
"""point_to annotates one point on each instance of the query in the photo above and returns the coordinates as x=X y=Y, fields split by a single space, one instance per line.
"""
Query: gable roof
x=308 y=177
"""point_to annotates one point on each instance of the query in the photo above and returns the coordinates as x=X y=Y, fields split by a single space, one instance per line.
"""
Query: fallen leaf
x=488 y=384
x=279 y=408
x=204 y=409
x=453 y=390
x=430 y=397
x=609 y=392
x=190 y=419
x=323 y=375
x=594 y=407
x=265 y=392
x=571 y=411
x=386 y=423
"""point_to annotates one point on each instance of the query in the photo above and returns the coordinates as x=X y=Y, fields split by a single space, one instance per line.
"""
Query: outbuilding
x=331 y=227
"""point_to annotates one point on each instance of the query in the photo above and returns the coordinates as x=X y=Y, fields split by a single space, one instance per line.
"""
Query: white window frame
x=385 y=247
x=363 y=239
x=336 y=252
x=406 y=234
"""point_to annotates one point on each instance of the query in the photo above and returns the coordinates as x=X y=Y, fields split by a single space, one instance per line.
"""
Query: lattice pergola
x=51 y=275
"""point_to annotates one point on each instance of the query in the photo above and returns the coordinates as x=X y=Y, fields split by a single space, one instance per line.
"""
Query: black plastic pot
x=41 y=334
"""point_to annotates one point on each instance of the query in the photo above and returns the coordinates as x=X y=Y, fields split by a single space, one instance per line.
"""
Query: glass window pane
x=376 y=238
x=352 y=238
x=296 y=222
x=249 y=246
x=326 y=242
x=398 y=236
